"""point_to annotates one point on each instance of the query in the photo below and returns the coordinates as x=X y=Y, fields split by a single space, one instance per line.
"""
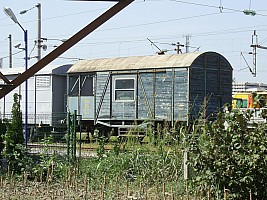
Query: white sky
x=227 y=31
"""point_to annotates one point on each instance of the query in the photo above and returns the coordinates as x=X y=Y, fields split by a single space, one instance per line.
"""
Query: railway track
x=61 y=149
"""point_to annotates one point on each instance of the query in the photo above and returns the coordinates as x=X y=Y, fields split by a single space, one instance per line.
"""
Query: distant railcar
x=115 y=93
x=249 y=100
x=47 y=91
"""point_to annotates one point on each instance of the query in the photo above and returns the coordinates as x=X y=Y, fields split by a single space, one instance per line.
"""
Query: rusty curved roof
x=135 y=62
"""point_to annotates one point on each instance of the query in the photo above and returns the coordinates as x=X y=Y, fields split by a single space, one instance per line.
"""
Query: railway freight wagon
x=115 y=93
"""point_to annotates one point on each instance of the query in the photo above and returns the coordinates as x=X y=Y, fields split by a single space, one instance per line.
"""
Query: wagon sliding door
x=181 y=94
x=171 y=95
x=163 y=94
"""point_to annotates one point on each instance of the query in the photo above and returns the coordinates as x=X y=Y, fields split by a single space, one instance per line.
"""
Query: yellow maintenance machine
x=249 y=100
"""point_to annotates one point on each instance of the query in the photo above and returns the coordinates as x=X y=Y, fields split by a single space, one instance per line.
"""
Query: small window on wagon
x=125 y=89
x=74 y=85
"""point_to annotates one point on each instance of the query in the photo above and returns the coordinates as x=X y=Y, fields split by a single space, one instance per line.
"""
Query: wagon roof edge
x=134 y=63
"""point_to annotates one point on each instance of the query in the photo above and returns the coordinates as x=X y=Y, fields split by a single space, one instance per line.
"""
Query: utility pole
x=39 y=47
x=187 y=38
x=39 y=40
x=10 y=51
x=178 y=49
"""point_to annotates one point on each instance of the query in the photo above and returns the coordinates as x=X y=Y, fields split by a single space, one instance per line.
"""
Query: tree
x=14 y=138
x=17 y=124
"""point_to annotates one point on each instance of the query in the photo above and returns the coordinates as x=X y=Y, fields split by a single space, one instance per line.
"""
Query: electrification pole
x=255 y=45
x=39 y=40
x=10 y=51
x=187 y=37
x=254 y=52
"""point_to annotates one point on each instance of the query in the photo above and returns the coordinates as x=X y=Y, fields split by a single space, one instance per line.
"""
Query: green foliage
x=227 y=154
x=263 y=114
x=136 y=165
x=48 y=164
x=223 y=154
x=17 y=124
x=101 y=148
x=13 y=137
x=2 y=132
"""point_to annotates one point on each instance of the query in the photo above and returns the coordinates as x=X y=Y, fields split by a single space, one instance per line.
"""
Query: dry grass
x=73 y=188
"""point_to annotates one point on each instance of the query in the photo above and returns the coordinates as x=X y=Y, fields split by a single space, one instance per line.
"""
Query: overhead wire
x=170 y=20
x=212 y=6
x=12 y=54
x=205 y=5
x=158 y=22
x=152 y=23
x=165 y=21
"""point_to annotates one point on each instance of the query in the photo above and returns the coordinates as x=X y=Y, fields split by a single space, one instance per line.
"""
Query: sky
x=209 y=25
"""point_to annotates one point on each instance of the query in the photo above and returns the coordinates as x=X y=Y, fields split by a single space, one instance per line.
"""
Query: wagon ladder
x=102 y=97
x=145 y=97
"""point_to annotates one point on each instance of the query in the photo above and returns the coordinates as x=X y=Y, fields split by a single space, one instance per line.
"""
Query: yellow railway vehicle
x=249 y=100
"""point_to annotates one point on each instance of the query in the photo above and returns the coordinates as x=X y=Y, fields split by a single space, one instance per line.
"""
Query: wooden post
x=146 y=193
x=35 y=192
x=201 y=193
x=141 y=190
x=127 y=189
x=86 y=188
x=187 y=192
x=163 y=190
x=250 y=195
x=157 y=195
x=225 y=194
x=101 y=192
x=117 y=188
x=104 y=188
x=173 y=195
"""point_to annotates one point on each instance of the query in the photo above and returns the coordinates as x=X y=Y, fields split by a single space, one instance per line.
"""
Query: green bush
x=228 y=154
x=13 y=138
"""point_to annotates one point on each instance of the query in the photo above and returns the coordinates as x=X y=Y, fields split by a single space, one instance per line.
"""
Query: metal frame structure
x=120 y=5
x=255 y=45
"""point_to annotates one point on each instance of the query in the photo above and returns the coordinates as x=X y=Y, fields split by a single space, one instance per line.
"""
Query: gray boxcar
x=117 y=92
x=47 y=93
